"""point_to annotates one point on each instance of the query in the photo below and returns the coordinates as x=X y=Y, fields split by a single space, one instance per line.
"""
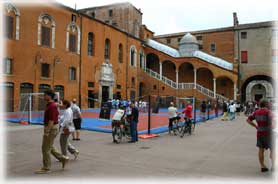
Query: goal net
x=32 y=106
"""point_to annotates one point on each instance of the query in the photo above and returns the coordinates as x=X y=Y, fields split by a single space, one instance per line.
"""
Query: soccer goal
x=32 y=106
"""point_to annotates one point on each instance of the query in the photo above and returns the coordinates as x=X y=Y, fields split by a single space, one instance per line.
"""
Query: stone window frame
x=142 y=59
x=133 y=56
x=45 y=18
x=71 y=29
x=10 y=7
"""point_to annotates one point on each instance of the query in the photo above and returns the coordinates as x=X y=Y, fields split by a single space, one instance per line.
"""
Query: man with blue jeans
x=134 y=122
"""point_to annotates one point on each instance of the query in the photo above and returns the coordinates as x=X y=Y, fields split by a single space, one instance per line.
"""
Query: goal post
x=32 y=105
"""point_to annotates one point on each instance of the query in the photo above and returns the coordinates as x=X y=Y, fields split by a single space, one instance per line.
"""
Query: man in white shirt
x=232 y=111
x=77 y=119
x=118 y=119
x=172 y=112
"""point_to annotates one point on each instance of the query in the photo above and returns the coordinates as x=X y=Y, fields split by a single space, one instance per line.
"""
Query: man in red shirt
x=51 y=129
x=263 y=125
x=188 y=114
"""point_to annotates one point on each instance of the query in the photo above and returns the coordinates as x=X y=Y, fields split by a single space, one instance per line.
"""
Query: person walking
x=225 y=112
x=232 y=111
x=51 y=129
x=66 y=128
x=203 y=111
x=77 y=119
x=263 y=117
x=172 y=113
x=134 y=123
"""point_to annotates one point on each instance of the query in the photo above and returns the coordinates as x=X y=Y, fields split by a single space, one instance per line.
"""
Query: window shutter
x=244 y=57
x=9 y=27
x=72 y=46
x=46 y=36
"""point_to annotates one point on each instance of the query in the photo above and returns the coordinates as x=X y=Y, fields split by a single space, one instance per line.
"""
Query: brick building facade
x=83 y=56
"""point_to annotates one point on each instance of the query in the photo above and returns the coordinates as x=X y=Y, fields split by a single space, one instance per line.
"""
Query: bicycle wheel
x=193 y=126
x=182 y=131
x=118 y=135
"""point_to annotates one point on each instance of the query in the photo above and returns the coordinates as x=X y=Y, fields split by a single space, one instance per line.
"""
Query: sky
x=164 y=17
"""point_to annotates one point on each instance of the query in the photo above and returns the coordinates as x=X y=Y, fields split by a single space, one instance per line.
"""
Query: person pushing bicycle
x=188 y=113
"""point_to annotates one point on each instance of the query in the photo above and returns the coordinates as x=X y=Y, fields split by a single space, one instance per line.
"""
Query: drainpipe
x=80 y=59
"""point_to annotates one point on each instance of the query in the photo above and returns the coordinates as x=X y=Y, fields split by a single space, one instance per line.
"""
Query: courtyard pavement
x=217 y=150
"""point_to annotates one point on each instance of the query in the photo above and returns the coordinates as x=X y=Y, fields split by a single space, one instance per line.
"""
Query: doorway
x=258 y=97
x=105 y=93
x=91 y=96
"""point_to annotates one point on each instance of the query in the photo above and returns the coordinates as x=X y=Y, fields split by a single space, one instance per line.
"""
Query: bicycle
x=175 y=126
x=187 y=127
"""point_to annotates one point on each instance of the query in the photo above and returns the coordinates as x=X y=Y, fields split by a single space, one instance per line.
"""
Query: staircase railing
x=173 y=84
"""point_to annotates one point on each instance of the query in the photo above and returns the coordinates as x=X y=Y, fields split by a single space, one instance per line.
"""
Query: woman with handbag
x=66 y=128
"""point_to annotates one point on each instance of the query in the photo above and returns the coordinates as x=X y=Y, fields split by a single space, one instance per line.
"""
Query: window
x=72 y=43
x=179 y=39
x=199 y=38
x=133 y=56
x=46 y=36
x=93 y=14
x=107 y=49
x=45 y=70
x=90 y=44
x=7 y=66
x=119 y=86
x=212 y=47
x=91 y=84
x=120 y=53
x=132 y=53
x=11 y=28
x=154 y=87
x=46 y=31
x=73 y=38
x=243 y=35
x=133 y=81
x=141 y=60
x=200 y=47
x=73 y=18
x=72 y=73
x=244 y=57
x=110 y=13
x=9 y=32
x=168 y=40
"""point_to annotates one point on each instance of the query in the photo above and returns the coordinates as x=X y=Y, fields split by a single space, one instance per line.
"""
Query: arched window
x=142 y=59
x=46 y=30
x=73 y=38
x=91 y=38
x=107 y=49
x=133 y=56
x=120 y=53
x=72 y=73
x=12 y=19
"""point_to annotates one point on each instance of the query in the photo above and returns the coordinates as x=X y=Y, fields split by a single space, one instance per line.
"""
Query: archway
x=186 y=73
x=169 y=70
x=205 y=78
x=153 y=62
x=266 y=81
x=225 y=87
